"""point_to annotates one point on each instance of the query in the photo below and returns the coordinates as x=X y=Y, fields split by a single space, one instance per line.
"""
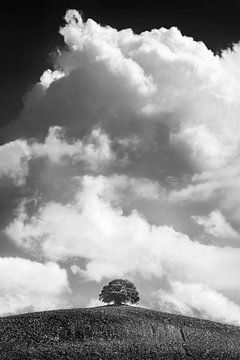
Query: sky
x=120 y=155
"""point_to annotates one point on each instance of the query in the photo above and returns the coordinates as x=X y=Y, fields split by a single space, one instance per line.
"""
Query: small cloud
x=29 y=285
x=194 y=299
x=216 y=225
x=14 y=157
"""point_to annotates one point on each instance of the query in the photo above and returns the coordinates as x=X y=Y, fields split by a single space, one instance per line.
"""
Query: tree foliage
x=119 y=292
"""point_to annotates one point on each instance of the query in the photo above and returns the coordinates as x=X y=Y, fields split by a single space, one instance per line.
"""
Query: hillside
x=115 y=333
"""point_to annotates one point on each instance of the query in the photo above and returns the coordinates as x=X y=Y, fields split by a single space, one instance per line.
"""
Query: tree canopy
x=119 y=292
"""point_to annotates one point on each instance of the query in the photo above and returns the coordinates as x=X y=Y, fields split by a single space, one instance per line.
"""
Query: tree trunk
x=118 y=303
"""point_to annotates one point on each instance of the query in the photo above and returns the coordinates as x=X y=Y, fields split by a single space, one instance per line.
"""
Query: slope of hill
x=115 y=333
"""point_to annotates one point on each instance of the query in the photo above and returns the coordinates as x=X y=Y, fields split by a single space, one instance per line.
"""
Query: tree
x=119 y=292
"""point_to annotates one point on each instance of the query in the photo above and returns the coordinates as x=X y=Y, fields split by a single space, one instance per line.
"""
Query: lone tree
x=119 y=292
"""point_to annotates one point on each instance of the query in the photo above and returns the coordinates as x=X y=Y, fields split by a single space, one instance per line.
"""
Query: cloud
x=195 y=298
x=216 y=187
x=213 y=155
x=121 y=189
x=14 y=158
x=31 y=286
x=132 y=84
x=216 y=225
x=115 y=244
x=122 y=149
x=93 y=150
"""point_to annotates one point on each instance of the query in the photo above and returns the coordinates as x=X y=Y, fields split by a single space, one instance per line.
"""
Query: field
x=115 y=333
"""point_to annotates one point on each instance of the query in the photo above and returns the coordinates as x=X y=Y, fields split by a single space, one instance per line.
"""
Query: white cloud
x=29 y=285
x=94 y=151
x=147 y=121
x=49 y=76
x=219 y=187
x=14 y=158
x=216 y=225
x=195 y=192
x=115 y=244
x=194 y=298
x=122 y=188
x=133 y=85
x=207 y=149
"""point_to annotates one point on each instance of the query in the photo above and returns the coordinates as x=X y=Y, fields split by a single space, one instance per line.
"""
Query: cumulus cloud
x=133 y=85
x=115 y=243
x=31 y=286
x=14 y=158
x=122 y=149
x=196 y=298
x=216 y=187
x=212 y=155
x=94 y=151
x=216 y=225
x=121 y=189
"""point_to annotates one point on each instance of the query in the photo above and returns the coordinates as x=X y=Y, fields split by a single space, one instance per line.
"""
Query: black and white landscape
x=123 y=160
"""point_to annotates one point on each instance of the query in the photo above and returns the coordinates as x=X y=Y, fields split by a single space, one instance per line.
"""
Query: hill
x=115 y=333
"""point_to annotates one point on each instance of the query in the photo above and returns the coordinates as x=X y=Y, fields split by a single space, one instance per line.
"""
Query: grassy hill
x=115 y=333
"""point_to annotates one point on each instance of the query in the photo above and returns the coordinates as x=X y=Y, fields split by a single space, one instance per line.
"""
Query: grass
x=115 y=333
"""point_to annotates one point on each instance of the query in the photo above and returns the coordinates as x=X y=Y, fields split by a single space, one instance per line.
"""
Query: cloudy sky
x=122 y=160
